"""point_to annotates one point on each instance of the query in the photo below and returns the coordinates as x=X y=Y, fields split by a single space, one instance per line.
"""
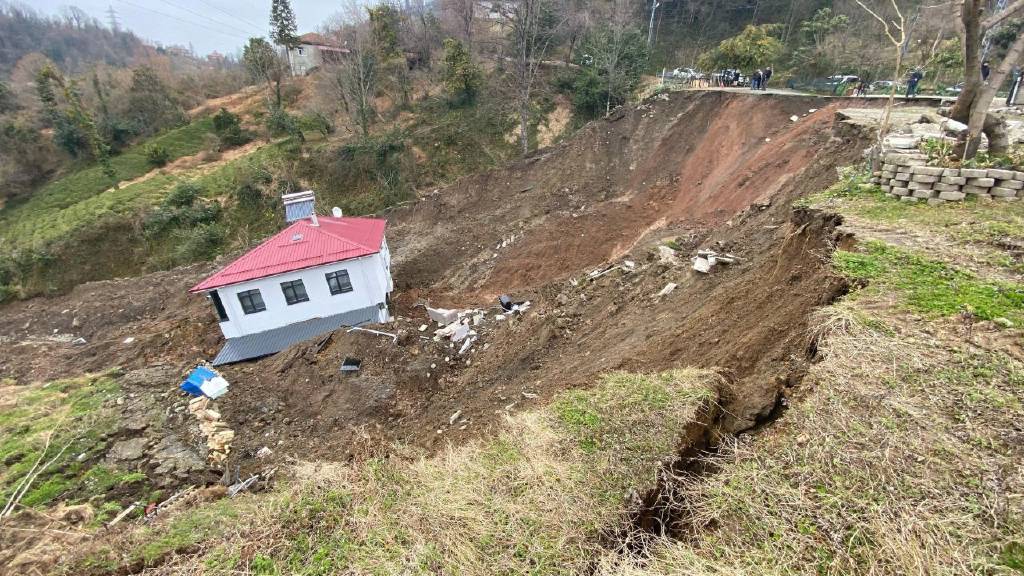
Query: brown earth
x=707 y=169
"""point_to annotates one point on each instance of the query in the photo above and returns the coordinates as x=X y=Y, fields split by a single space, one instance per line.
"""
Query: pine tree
x=282 y=24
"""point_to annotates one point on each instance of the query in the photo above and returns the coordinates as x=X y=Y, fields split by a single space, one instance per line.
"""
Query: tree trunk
x=980 y=120
x=970 y=22
x=524 y=124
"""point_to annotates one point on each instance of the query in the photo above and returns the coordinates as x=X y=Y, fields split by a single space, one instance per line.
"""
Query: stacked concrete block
x=907 y=176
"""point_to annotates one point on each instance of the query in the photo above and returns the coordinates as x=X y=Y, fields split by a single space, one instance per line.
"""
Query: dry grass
x=903 y=458
x=533 y=500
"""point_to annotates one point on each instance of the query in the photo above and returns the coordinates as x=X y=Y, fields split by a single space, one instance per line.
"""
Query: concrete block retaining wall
x=908 y=177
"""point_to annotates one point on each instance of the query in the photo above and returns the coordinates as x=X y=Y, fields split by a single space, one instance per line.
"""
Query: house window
x=251 y=301
x=222 y=314
x=300 y=50
x=294 y=292
x=339 y=282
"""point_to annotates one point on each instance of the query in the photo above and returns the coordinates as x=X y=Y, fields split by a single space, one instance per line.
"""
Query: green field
x=82 y=197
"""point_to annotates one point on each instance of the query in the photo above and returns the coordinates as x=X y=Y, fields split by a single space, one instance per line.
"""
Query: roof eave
x=200 y=288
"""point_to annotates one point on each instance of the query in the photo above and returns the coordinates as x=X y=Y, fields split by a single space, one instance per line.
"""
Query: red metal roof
x=302 y=245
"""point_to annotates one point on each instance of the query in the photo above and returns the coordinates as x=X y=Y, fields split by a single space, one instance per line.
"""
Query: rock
x=952 y=196
x=1003 y=322
x=75 y=322
x=667 y=255
x=562 y=299
x=159 y=376
x=901 y=143
x=264 y=452
x=78 y=341
x=128 y=450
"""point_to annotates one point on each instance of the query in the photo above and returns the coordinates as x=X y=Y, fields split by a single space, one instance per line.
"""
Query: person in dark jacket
x=985 y=71
x=915 y=77
x=736 y=77
x=767 y=76
x=755 y=79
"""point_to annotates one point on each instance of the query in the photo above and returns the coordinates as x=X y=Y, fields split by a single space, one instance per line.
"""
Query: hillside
x=765 y=346
x=691 y=329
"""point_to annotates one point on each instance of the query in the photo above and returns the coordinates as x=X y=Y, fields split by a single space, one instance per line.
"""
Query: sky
x=209 y=25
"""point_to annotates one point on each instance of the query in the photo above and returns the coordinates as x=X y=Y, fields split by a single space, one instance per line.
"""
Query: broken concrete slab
x=442 y=316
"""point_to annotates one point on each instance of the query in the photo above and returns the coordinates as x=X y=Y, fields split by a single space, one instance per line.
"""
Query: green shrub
x=183 y=195
x=228 y=128
x=201 y=242
x=158 y=155
x=280 y=123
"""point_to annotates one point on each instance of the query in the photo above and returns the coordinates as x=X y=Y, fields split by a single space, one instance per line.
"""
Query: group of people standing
x=759 y=79
x=732 y=77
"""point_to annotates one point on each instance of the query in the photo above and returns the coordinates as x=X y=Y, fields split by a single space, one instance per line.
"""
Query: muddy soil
x=705 y=169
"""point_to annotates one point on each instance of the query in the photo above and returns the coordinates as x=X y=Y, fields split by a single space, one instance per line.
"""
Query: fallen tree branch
x=26 y=483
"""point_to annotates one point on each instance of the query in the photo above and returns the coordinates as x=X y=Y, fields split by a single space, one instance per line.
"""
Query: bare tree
x=355 y=76
x=461 y=14
x=972 y=106
x=577 y=23
x=532 y=27
x=896 y=31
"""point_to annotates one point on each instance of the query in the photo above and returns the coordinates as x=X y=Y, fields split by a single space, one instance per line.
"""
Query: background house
x=312 y=52
x=316 y=275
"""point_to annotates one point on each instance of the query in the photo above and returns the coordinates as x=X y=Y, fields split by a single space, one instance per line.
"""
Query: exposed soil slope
x=704 y=167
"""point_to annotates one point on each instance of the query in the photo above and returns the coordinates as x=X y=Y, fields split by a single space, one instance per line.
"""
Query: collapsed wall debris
x=217 y=434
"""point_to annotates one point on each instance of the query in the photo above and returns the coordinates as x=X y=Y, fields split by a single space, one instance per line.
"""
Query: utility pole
x=112 y=20
x=650 y=27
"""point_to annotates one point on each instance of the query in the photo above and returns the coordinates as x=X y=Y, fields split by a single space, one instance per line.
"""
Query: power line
x=239 y=18
x=189 y=22
x=201 y=15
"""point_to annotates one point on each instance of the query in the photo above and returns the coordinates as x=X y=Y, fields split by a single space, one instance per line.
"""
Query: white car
x=686 y=74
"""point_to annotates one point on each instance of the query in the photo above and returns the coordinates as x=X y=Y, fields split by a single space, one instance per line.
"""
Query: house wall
x=371 y=283
x=308 y=59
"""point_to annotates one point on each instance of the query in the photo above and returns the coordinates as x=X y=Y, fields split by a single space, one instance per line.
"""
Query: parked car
x=884 y=86
x=687 y=74
x=837 y=79
x=955 y=90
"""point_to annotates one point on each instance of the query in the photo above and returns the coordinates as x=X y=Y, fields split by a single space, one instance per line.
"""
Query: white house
x=313 y=277
x=312 y=51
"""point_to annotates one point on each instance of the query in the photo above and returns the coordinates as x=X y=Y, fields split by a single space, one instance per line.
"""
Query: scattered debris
x=351 y=364
x=264 y=452
x=454 y=417
x=667 y=289
x=706 y=259
x=667 y=255
x=423 y=327
x=442 y=316
x=794 y=118
x=127 y=340
x=394 y=337
x=199 y=377
x=78 y=341
x=124 y=513
x=214 y=388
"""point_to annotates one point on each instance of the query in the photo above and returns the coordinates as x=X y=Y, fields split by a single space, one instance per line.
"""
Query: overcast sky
x=221 y=25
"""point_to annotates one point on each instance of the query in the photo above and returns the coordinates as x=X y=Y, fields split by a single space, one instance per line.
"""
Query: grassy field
x=86 y=195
